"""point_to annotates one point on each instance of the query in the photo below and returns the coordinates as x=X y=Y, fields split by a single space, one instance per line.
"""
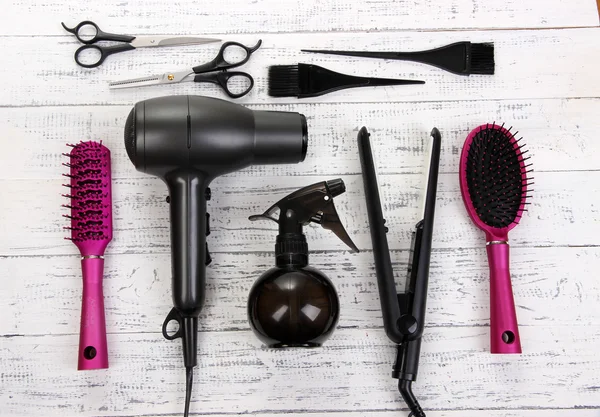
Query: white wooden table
x=546 y=85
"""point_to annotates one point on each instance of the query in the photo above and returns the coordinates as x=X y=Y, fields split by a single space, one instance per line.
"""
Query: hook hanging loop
x=173 y=315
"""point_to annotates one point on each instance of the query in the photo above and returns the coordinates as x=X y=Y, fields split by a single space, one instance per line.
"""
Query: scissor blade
x=166 y=78
x=150 y=41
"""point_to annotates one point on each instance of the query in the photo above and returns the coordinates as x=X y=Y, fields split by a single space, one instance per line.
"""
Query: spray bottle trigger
x=311 y=204
x=330 y=220
x=338 y=229
x=173 y=315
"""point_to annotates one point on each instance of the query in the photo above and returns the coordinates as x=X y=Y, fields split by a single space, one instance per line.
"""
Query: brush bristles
x=283 y=81
x=497 y=179
x=482 y=58
x=90 y=202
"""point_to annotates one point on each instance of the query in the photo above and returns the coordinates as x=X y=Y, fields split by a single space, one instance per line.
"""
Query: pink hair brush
x=91 y=230
x=494 y=185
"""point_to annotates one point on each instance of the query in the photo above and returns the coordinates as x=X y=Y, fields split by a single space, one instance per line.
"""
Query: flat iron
x=403 y=313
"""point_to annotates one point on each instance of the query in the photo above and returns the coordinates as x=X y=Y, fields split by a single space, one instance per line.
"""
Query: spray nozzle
x=313 y=203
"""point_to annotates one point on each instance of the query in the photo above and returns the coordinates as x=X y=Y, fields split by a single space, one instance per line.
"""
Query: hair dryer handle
x=188 y=240
x=504 y=336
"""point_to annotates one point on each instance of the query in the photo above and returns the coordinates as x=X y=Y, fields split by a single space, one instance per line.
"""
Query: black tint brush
x=306 y=80
x=462 y=58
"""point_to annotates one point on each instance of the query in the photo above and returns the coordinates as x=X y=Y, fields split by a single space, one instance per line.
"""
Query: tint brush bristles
x=283 y=81
x=482 y=59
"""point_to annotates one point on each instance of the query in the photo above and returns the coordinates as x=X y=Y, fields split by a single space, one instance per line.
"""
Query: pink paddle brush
x=494 y=186
x=91 y=230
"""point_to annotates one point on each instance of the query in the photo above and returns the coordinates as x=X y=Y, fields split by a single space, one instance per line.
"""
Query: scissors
x=130 y=42
x=217 y=67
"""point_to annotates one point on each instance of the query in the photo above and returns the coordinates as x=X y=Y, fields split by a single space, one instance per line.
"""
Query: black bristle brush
x=462 y=58
x=495 y=183
x=307 y=80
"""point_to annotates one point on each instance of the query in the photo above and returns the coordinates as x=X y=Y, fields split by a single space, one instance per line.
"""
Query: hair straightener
x=404 y=313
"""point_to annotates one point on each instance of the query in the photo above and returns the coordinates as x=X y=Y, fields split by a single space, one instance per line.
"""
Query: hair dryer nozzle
x=130 y=136
x=281 y=137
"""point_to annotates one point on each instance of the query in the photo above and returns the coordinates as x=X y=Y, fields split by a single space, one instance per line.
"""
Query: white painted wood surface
x=546 y=85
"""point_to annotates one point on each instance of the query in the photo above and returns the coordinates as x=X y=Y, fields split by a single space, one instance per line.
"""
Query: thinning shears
x=88 y=33
x=214 y=72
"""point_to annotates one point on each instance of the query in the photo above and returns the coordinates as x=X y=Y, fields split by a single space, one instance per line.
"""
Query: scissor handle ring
x=220 y=60
x=101 y=59
x=224 y=77
x=104 y=52
x=76 y=29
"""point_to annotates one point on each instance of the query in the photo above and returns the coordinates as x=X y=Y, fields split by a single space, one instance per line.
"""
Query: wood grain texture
x=551 y=287
x=561 y=134
x=545 y=85
x=237 y=375
x=565 y=203
x=529 y=64
x=138 y=17
x=571 y=412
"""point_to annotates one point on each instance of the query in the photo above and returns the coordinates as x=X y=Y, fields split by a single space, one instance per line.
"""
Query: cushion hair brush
x=494 y=182
x=91 y=231
x=461 y=58
x=306 y=80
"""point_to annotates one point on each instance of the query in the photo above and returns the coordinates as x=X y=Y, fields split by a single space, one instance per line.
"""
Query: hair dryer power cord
x=189 y=382
x=405 y=387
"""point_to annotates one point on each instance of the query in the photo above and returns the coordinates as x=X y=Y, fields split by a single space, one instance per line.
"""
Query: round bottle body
x=293 y=307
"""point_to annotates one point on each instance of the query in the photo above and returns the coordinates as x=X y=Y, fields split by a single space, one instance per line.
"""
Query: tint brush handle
x=504 y=334
x=93 y=350
x=453 y=58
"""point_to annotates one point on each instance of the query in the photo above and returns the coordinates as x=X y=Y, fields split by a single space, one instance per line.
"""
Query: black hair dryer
x=187 y=141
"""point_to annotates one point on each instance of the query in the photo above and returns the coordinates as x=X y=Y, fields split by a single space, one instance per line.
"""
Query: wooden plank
x=544 y=85
x=564 y=211
x=210 y=17
x=552 y=286
x=572 y=412
x=529 y=64
x=560 y=134
x=351 y=372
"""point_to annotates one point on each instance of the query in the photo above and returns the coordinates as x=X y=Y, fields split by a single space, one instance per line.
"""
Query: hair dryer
x=187 y=141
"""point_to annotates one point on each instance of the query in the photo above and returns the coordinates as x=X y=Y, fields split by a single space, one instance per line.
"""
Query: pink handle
x=93 y=351
x=504 y=337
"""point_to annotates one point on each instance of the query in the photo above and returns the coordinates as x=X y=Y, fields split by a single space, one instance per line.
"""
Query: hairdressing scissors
x=214 y=72
x=95 y=34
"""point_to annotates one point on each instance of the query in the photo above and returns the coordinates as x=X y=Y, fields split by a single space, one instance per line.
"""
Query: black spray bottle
x=293 y=304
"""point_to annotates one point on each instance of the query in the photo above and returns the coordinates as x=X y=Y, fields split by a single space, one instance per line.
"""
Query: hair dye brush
x=404 y=313
x=91 y=231
x=461 y=58
x=494 y=185
x=307 y=80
